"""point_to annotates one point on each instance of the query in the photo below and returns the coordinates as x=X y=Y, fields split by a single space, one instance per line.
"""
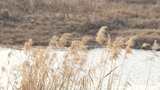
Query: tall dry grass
x=38 y=74
x=102 y=35
x=74 y=73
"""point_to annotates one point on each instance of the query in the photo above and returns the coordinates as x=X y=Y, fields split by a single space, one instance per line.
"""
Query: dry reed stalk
x=130 y=43
x=34 y=74
x=38 y=75
x=75 y=57
x=28 y=45
x=116 y=49
x=114 y=52
x=128 y=50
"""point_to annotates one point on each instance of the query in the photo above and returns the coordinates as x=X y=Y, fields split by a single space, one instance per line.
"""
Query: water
x=138 y=71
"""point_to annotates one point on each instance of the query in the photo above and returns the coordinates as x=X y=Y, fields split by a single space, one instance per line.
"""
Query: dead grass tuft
x=39 y=75
x=130 y=44
x=35 y=74
x=66 y=39
x=54 y=42
x=101 y=36
x=87 y=41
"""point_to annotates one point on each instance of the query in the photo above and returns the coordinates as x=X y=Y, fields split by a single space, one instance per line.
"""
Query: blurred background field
x=41 y=19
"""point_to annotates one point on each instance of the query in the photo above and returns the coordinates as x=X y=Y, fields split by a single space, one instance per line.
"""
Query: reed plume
x=102 y=35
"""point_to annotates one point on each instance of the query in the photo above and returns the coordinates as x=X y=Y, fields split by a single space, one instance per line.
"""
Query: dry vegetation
x=102 y=35
x=74 y=25
x=42 y=19
x=37 y=73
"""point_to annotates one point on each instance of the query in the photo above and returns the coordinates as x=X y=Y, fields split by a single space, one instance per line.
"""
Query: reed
x=38 y=74
x=101 y=36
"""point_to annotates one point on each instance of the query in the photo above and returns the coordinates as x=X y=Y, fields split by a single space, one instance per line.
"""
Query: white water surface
x=139 y=71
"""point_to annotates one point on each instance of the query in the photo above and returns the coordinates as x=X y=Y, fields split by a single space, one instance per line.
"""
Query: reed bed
x=44 y=71
x=74 y=72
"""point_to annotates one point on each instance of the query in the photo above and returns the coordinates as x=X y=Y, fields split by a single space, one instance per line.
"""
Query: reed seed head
x=101 y=36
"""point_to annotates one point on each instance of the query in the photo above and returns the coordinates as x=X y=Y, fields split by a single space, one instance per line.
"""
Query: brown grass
x=87 y=41
x=102 y=37
x=54 y=42
x=65 y=40
x=35 y=75
x=41 y=19
x=38 y=75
